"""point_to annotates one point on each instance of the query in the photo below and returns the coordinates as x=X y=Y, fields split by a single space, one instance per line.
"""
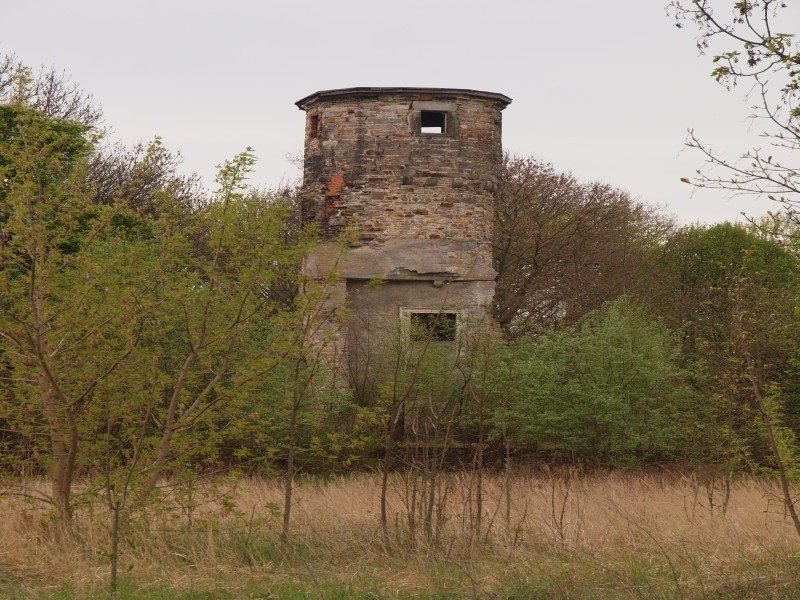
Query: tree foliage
x=47 y=91
x=608 y=390
x=70 y=286
x=128 y=327
x=734 y=294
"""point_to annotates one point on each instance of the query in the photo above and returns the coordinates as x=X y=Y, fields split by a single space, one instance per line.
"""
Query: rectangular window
x=433 y=121
x=433 y=326
x=313 y=126
x=428 y=325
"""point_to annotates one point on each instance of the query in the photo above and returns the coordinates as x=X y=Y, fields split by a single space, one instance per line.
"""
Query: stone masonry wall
x=367 y=164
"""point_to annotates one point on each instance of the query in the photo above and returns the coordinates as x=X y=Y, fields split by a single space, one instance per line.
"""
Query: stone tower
x=411 y=172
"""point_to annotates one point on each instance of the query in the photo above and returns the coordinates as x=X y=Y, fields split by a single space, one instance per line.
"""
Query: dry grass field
x=569 y=535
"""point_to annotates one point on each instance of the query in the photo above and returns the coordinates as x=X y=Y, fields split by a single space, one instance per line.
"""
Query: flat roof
x=355 y=92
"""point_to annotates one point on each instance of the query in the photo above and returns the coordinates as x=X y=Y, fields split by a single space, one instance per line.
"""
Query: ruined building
x=411 y=172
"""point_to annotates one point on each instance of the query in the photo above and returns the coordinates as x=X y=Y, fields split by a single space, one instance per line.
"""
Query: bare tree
x=563 y=247
x=139 y=176
x=748 y=46
x=48 y=90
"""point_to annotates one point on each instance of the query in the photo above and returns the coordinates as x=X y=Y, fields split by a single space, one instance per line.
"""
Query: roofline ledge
x=355 y=92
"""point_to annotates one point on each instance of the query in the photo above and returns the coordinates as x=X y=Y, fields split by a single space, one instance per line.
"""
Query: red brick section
x=335 y=185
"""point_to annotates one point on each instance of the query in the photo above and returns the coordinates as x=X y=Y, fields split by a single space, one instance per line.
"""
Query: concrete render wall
x=374 y=306
x=378 y=329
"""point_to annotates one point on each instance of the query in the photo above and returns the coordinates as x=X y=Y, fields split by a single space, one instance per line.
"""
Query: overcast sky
x=606 y=90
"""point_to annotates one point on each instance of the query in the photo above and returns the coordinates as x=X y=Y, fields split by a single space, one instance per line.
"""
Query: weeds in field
x=570 y=535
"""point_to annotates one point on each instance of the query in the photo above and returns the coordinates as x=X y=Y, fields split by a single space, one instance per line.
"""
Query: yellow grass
x=569 y=536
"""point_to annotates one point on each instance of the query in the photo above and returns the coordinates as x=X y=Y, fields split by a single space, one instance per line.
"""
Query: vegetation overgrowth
x=170 y=426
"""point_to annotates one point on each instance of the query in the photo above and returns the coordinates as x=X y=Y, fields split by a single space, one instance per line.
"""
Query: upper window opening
x=313 y=126
x=432 y=121
x=433 y=326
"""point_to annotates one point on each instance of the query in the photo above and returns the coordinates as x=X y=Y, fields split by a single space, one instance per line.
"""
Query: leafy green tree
x=755 y=330
x=70 y=288
x=734 y=292
x=128 y=331
x=706 y=270
x=211 y=327
x=214 y=340
x=608 y=390
x=297 y=403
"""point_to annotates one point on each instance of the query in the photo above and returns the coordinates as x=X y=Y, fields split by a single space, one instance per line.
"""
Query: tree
x=48 y=91
x=214 y=347
x=298 y=402
x=749 y=43
x=137 y=176
x=607 y=390
x=215 y=302
x=703 y=267
x=133 y=323
x=755 y=329
x=562 y=248
x=734 y=295
x=70 y=286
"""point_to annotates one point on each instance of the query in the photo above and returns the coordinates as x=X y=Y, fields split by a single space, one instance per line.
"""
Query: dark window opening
x=433 y=122
x=313 y=126
x=433 y=326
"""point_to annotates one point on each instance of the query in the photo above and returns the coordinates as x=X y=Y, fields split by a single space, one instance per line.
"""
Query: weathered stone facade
x=368 y=164
x=411 y=171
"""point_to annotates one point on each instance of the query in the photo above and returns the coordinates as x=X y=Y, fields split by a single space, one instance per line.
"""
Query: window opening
x=433 y=122
x=433 y=326
x=313 y=126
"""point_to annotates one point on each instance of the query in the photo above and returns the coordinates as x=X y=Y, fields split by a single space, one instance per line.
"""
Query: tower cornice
x=373 y=92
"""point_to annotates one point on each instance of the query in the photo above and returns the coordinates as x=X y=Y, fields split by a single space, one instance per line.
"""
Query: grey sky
x=603 y=89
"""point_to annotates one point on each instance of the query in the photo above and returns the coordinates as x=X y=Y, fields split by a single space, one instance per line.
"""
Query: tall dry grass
x=568 y=535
